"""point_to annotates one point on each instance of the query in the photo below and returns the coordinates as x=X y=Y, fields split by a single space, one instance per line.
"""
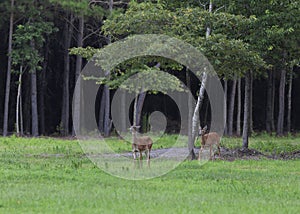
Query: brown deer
x=140 y=144
x=209 y=139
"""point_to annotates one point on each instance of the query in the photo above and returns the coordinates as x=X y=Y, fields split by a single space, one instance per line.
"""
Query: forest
x=252 y=45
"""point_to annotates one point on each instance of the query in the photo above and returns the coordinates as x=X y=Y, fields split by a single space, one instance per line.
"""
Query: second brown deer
x=209 y=139
x=140 y=144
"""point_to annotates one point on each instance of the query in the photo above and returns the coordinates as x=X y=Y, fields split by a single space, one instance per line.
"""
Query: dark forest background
x=43 y=33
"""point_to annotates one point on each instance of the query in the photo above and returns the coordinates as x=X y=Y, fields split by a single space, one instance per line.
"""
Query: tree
x=8 y=73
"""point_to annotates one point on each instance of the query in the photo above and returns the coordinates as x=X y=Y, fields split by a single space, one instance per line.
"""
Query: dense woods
x=253 y=46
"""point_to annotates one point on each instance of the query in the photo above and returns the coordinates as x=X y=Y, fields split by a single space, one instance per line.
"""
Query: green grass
x=32 y=182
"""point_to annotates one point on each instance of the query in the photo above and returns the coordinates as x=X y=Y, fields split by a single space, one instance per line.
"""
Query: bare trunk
x=246 y=112
x=7 y=87
x=239 y=109
x=231 y=108
x=225 y=107
x=76 y=111
x=18 y=112
x=289 y=103
x=280 y=121
x=66 y=92
x=135 y=110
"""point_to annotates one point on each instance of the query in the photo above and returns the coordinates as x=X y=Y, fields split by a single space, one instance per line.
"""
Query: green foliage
x=28 y=39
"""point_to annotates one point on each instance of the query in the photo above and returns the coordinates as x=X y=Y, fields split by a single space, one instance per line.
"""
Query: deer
x=140 y=144
x=209 y=139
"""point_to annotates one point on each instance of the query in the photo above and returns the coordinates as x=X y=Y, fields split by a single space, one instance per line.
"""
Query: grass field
x=53 y=176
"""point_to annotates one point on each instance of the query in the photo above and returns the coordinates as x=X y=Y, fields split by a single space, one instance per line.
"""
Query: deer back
x=210 y=138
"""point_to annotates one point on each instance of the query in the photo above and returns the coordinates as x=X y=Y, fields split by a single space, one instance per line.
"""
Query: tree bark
x=239 y=109
x=101 y=112
x=246 y=112
x=66 y=92
x=107 y=121
x=123 y=112
x=289 y=102
x=8 y=73
x=280 y=121
x=231 y=108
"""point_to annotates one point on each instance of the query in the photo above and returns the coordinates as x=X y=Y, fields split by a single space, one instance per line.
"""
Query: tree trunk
x=195 y=120
x=66 y=92
x=231 y=108
x=27 y=104
x=34 y=108
x=7 y=87
x=123 y=111
x=107 y=121
x=246 y=112
x=190 y=115
x=76 y=106
x=140 y=103
x=289 y=103
x=269 y=102
x=239 y=109
x=18 y=112
x=101 y=112
x=280 y=121
x=42 y=90
x=273 y=102
x=251 y=104
x=225 y=107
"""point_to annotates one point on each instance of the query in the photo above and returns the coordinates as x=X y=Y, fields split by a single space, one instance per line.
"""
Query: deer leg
x=200 y=151
x=210 y=153
x=219 y=150
x=148 y=158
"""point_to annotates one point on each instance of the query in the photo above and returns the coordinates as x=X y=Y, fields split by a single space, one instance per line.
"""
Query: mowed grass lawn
x=34 y=181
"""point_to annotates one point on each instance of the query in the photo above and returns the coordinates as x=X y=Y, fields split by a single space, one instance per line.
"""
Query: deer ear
x=205 y=128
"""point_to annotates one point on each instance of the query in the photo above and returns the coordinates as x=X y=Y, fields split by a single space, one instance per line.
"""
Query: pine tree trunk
x=140 y=103
x=7 y=87
x=27 y=104
x=231 y=108
x=76 y=104
x=280 y=121
x=66 y=92
x=239 y=109
x=289 y=103
x=246 y=112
